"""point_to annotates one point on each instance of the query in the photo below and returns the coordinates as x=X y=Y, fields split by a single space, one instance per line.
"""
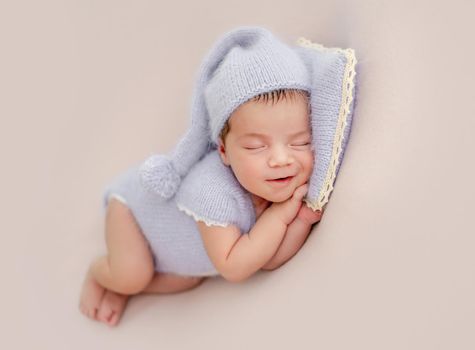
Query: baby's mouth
x=282 y=179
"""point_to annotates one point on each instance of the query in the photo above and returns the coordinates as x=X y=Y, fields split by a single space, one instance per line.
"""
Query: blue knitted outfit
x=210 y=193
x=167 y=194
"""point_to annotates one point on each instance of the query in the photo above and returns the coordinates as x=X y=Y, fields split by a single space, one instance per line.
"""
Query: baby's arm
x=237 y=256
x=297 y=233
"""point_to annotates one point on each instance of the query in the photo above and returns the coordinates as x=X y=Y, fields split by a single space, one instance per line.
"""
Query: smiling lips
x=281 y=181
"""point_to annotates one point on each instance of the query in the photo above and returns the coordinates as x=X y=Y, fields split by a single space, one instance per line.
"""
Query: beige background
x=89 y=87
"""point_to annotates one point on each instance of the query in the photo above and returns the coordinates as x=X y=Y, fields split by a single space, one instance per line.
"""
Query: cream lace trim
x=344 y=113
x=195 y=216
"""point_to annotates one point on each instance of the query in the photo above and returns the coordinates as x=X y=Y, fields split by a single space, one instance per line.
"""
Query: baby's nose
x=280 y=156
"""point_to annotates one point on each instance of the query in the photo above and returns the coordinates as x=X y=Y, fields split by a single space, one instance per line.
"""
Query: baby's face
x=267 y=142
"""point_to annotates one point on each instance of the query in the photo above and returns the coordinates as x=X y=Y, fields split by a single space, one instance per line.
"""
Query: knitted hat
x=243 y=63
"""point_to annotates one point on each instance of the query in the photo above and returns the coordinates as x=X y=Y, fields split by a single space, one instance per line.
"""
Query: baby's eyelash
x=302 y=144
x=251 y=148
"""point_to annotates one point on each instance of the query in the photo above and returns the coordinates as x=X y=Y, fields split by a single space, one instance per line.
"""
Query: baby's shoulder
x=210 y=174
x=211 y=193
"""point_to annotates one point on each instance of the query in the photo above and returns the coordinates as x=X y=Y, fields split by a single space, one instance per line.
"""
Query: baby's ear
x=222 y=152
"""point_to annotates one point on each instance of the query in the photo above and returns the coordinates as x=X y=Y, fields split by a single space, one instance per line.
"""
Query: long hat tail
x=162 y=174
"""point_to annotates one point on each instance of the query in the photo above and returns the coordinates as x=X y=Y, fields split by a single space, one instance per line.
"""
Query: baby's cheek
x=309 y=162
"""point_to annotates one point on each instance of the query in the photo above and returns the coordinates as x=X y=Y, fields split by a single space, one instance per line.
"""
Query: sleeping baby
x=238 y=194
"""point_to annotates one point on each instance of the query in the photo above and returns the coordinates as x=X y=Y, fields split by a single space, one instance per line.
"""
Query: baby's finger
x=308 y=215
x=301 y=191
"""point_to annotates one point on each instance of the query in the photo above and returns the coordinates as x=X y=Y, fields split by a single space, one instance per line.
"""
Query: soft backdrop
x=89 y=87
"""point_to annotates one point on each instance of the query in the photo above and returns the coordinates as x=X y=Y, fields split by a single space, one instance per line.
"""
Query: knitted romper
x=209 y=192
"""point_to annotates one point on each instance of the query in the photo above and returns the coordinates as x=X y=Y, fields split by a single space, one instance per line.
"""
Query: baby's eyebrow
x=298 y=133
x=253 y=134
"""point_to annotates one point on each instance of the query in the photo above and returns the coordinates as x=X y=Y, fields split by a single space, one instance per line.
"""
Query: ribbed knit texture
x=210 y=191
x=328 y=73
x=333 y=86
x=258 y=62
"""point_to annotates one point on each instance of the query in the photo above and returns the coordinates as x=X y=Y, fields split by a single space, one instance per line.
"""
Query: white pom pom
x=159 y=176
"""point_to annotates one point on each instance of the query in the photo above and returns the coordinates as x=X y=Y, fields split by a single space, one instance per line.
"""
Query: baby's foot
x=91 y=296
x=112 y=307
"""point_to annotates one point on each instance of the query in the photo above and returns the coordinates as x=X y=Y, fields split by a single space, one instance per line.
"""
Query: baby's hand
x=287 y=211
x=309 y=216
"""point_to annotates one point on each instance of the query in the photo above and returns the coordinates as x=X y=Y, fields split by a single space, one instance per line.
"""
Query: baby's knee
x=132 y=278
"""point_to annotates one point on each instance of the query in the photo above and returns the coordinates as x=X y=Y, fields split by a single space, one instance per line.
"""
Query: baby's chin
x=280 y=196
x=277 y=197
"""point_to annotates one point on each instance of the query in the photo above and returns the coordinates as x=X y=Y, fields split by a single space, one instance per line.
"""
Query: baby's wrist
x=276 y=213
x=303 y=221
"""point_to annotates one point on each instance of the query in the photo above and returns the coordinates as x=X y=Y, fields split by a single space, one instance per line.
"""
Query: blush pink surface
x=88 y=88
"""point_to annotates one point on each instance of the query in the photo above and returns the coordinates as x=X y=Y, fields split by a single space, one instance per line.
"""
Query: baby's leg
x=126 y=269
x=113 y=304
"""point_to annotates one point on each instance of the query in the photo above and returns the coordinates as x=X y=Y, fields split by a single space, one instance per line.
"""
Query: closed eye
x=252 y=148
x=301 y=144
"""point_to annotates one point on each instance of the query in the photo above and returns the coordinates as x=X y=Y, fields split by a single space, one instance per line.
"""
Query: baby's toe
x=112 y=307
x=113 y=319
x=93 y=313
x=104 y=313
x=91 y=296
x=85 y=310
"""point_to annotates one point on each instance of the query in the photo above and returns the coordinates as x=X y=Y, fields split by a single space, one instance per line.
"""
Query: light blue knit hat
x=243 y=63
